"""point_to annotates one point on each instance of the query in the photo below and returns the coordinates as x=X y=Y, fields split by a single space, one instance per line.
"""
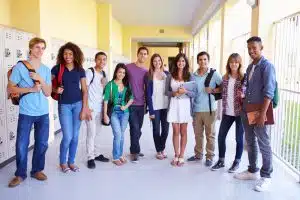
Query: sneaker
x=246 y=175
x=262 y=184
x=101 y=158
x=141 y=155
x=218 y=166
x=91 y=164
x=134 y=158
x=15 y=182
x=235 y=165
x=194 y=158
x=208 y=163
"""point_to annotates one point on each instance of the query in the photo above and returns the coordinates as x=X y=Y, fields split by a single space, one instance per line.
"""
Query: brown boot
x=15 y=182
x=39 y=176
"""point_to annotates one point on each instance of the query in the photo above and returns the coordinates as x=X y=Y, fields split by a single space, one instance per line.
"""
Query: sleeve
x=269 y=81
x=54 y=70
x=107 y=92
x=48 y=76
x=149 y=97
x=82 y=73
x=15 y=76
x=89 y=76
x=218 y=78
x=168 y=91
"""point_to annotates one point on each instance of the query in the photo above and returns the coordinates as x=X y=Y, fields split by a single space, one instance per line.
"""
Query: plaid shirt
x=238 y=85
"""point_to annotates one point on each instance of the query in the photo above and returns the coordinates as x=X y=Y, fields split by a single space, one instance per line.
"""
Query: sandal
x=180 y=162
x=164 y=154
x=74 y=168
x=117 y=162
x=65 y=169
x=174 y=161
x=159 y=156
x=123 y=160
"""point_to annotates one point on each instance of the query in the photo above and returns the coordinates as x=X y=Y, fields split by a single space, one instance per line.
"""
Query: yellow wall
x=104 y=26
x=70 y=20
x=164 y=52
x=25 y=15
x=117 y=37
x=5 y=13
x=142 y=32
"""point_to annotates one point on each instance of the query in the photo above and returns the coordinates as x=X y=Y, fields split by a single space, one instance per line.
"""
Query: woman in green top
x=119 y=93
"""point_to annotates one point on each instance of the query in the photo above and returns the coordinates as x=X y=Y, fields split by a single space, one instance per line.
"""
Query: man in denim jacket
x=260 y=88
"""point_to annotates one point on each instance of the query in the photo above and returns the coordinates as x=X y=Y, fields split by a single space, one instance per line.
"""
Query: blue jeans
x=119 y=121
x=160 y=137
x=41 y=135
x=258 y=138
x=226 y=123
x=69 y=117
x=136 y=118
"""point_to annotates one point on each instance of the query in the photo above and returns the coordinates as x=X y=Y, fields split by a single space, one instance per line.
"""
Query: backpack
x=93 y=71
x=57 y=82
x=16 y=97
x=217 y=96
x=275 y=99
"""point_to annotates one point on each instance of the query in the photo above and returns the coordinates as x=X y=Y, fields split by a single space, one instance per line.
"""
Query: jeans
x=41 y=135
x=69 y=117
x=119 y=121
x=226 y=123
x=258 y=137
x=136 y=118
x=160 y=120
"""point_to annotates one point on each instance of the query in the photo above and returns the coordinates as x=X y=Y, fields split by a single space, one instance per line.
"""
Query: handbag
x=110 y=106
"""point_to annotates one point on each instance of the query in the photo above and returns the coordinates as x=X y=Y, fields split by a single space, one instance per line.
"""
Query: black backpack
x=93 y=71
x=217 y=96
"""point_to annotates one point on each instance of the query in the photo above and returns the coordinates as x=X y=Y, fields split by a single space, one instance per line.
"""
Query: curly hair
x=77 y=54
x=186 y=70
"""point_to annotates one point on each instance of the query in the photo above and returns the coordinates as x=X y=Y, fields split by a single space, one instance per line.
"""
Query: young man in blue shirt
x=33 y=110
x=260 y=88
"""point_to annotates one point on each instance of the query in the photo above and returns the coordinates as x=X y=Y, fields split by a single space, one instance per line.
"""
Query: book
x=253 y=111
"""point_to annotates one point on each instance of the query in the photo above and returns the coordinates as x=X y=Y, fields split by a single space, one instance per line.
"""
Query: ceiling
x=154 y=12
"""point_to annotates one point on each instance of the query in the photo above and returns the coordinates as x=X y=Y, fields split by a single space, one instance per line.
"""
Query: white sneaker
x=246 y=175
x=262 y=184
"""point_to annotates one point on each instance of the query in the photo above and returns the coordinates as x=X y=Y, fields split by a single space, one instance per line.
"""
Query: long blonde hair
x=238 y=58
x=151 y=68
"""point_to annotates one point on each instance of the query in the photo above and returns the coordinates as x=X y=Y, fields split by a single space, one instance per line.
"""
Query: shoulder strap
x=103 y=73
x=61 y=69
x=93 y=71
x=28 y=67
x=209 y=76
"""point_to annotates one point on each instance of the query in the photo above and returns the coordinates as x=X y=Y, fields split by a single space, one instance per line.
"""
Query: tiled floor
x=151 y=179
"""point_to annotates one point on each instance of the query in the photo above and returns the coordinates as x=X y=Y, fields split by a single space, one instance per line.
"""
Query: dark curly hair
x=77 y=54
x=186 y=70
x=125 y=79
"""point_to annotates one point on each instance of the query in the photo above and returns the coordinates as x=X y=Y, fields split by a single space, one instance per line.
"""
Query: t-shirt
x=137 y=77
x=95 y=90
x=71 y=83
x=32 y=104
x=230 y=97
x=251 y=72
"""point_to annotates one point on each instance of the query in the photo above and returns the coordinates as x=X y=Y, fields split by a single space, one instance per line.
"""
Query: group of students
x=134 y=90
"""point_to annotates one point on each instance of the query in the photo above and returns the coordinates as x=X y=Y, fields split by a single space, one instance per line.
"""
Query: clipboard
x=190 y=85
x=253 y=112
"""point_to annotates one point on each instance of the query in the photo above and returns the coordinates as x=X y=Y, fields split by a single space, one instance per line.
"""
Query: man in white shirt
x=96 y=81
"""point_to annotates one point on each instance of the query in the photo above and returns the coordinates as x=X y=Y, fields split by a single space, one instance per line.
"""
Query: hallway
x=148 y=180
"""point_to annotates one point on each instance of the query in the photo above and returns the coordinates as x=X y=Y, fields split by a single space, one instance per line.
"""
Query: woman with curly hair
x=72 y=103
x=180 y=106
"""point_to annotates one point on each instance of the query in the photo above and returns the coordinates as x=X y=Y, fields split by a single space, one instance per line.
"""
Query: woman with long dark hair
x=72 y=103
x=232 y=105
x=118 y=91
x=180 y=111
x=158 y=104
